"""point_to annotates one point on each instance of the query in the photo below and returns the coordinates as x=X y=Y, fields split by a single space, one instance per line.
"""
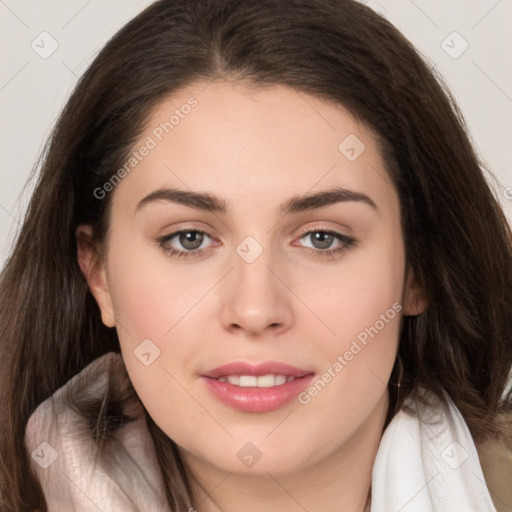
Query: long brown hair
x=458 y=241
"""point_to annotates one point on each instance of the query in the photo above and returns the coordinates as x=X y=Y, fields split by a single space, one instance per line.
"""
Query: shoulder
x=70 y=465
x=496 y=460
x=428 y=447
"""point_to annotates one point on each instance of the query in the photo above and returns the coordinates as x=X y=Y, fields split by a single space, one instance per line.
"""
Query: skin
x=256 y=148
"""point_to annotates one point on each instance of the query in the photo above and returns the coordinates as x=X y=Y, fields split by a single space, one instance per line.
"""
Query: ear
x=413 y=296
x=94 y=272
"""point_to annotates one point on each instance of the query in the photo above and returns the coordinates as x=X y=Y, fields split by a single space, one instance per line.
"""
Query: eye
x=191 y=243
x=185 y=243
x=326 y=243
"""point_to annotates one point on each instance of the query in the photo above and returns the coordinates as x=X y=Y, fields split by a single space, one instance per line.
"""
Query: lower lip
x=253 y=399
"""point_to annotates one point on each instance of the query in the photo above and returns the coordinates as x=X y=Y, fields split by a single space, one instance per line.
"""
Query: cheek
x=353 y=295
x=154 y=301
x=359 y=303
x=150 y=294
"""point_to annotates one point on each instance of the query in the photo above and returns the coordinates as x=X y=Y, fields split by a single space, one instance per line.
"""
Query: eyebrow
x=211 y=203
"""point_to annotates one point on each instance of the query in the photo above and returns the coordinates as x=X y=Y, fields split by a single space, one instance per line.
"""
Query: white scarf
x=426 y=462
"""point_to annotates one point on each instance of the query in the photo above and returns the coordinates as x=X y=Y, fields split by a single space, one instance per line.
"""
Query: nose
x=256 y=301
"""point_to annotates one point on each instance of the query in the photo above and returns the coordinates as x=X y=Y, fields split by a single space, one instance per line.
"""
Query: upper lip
x=266 y=368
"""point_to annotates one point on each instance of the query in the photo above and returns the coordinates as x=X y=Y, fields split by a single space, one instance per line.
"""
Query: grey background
x=34 y=86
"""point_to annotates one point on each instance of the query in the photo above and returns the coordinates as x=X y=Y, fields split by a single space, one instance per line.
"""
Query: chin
x=258 y=457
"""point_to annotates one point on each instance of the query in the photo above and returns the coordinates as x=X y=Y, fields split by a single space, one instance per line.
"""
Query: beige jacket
x=496 y=460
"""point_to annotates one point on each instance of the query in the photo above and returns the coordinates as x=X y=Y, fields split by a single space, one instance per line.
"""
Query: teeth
x=251 y=381
x=280 y=379
x=267 y=381
x=247 y=381
x=233 y=379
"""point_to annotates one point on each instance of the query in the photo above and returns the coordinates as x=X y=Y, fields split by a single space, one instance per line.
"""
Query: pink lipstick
x=256 y=388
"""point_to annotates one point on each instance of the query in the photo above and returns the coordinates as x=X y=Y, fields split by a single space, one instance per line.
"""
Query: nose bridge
x=256 y=299
x=252 y=267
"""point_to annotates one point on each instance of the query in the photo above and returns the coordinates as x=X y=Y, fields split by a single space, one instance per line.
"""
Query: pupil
x=191 y=239
x=322 y=240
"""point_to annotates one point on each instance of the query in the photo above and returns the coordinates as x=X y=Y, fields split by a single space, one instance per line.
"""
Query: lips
x=256 y=388
x=267 y=368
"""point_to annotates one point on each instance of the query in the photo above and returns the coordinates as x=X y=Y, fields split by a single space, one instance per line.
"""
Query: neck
x=340 y=481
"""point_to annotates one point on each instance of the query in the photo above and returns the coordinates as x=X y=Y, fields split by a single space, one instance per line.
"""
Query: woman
x=249 y=278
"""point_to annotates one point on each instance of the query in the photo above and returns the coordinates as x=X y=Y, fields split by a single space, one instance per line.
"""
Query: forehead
x=242 y=143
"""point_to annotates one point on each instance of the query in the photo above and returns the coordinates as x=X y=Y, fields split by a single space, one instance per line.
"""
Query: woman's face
x=290 y=253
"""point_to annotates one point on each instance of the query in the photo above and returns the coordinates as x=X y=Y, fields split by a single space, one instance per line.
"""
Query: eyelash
x=347 y=241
